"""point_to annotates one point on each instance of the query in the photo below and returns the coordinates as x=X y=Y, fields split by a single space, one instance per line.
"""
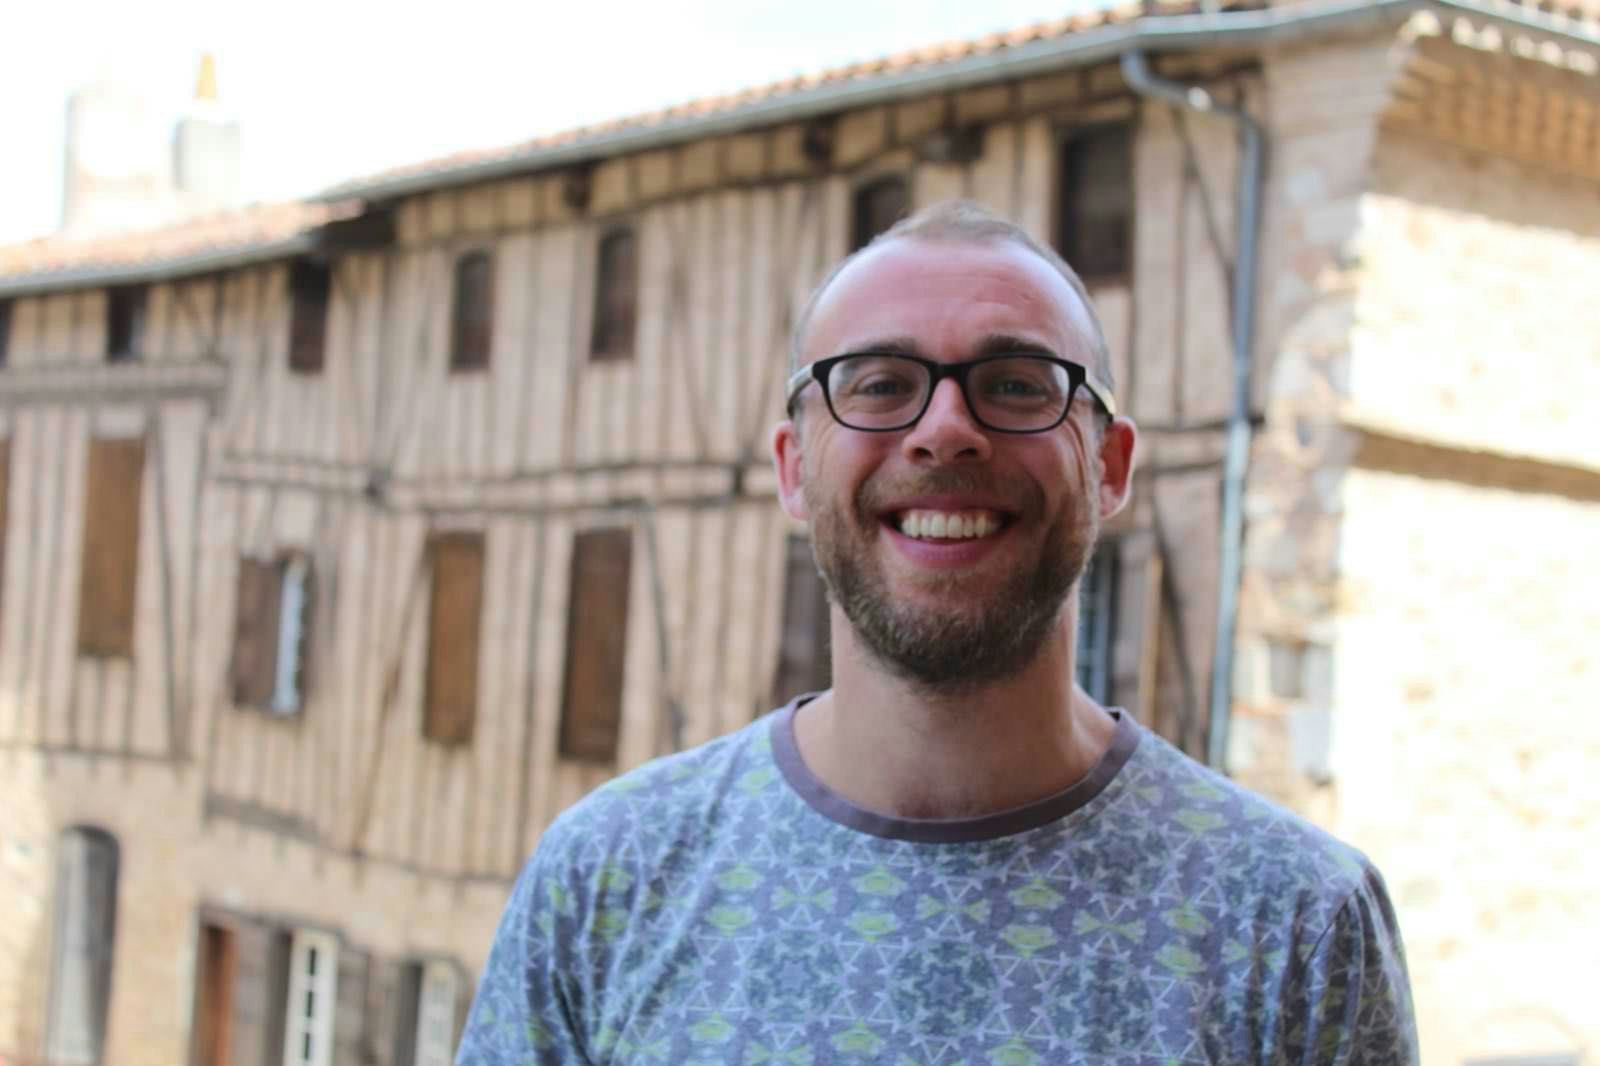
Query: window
x=455 y=612
x=217 y=970
x=472 y=324
x=5 y=496
x=313 y=982
x=429 y=1009
x=125 y=313
x=272 y=615
x=309 y=287
x=5 y=331
x=1095 y=211
x=803 y=660
x=85 y=939
x=1097 y=591
x=597 y=640
x=878 y=206
x=110 y=563
x=616 y=296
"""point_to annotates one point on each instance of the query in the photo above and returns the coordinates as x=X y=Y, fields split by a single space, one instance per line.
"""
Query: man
x=953 y=855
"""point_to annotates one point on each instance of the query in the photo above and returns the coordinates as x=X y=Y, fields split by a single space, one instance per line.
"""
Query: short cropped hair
x=964 y=222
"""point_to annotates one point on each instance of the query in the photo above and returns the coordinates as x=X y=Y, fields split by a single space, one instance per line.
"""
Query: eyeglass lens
x=1016 y=393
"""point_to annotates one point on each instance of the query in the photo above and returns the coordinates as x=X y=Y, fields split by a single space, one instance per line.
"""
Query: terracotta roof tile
x=257 y=226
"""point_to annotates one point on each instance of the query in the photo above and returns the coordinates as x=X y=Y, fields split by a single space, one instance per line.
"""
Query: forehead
x=947 y=296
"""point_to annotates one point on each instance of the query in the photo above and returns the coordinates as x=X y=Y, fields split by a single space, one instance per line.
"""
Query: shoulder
x=1239 y=846
x=667 y=799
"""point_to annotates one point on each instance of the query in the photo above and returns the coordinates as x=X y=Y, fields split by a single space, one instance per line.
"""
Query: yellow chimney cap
x=205 y=86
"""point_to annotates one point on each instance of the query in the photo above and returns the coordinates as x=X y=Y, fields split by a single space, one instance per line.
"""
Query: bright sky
x=335 y=89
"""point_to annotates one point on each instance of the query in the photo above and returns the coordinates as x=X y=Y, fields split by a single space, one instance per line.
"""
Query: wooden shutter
x=1095 y=215
x=214 y=994
x=125 y=318
x=5 y=496
x=310 y=285
x=110 y=547
x=455 y=614
x=804 y=664
x=472 y=325
x=260 y=991
x=85 y=941
x=878 y=206
x=616 y=296
x=255 y=632
x=597 y=641
x=5 y=331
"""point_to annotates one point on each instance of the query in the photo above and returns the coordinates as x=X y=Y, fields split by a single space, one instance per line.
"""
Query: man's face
x=961 y=608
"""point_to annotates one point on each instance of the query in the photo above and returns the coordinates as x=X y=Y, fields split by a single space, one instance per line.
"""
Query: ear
x=786 y=458
x=1117 y=445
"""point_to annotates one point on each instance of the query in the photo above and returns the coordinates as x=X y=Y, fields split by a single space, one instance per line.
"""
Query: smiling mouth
x=968 y=524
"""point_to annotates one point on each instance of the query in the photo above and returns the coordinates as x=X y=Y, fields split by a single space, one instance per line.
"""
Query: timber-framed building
x=347 y=542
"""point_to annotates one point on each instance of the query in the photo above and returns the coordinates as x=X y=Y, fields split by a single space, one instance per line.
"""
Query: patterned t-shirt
x=723 y=906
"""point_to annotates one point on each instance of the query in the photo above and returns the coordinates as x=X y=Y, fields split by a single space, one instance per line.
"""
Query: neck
x=891 y=745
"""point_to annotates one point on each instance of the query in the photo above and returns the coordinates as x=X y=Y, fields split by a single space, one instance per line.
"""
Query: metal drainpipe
x=1251 y=177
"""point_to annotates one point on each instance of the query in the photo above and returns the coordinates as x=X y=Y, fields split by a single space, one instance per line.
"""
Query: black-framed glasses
x=882 y=392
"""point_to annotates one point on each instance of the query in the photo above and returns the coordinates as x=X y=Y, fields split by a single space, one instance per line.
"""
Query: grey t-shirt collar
x=1005 y=823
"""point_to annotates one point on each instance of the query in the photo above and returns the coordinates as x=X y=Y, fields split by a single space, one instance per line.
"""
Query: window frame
x=127 y=319
x=281 y=684
x=1062 y=221
x=58 y=1042
x=1096 y=643
x=310 y=305
x=313 y=1034
x=614 y=321
x=472 y=343
x=861 y=207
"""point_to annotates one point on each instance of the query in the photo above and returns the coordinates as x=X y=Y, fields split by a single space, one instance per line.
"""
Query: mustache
x=1018 y=494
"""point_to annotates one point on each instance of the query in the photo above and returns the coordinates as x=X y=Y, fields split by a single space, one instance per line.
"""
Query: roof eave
x=91 y=277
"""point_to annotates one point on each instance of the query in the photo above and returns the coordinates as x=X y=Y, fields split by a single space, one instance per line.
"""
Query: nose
x=946 y=432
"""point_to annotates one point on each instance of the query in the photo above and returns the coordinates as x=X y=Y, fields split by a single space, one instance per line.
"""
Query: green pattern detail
x=928 y=907
x=538 y=1035
x=714 y=1030
x=611 y=923
x=857 y=1040
x=758 y=1055
x=879 y=882
x=612 y=878
x=1204 y=791
x=1234 y=952
x=729 y=920
x=741 y=878
x=1013 y=1053
x=1132 y=930
x=873 y=924
x=756 y=780
x=1179 y=960
x=1200 y=821
x=1187 y=919
x=1028 y=938
x=784 y=898
x=1036 y=895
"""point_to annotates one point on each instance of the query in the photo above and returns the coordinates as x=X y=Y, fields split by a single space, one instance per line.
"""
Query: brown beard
x=974 y=642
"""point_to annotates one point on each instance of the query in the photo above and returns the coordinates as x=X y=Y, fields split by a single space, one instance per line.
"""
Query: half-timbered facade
x=347 y=543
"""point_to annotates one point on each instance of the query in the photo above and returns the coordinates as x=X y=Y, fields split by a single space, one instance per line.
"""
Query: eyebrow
x=991 y=344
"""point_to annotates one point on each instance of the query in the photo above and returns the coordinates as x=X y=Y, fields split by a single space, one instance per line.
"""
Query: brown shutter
x=803 y=658
x=214 y=997
x=454 y=618
x=616 y=296
x=255 y=632
x=5 y=495
x=5 y=331
x=110 y=547
x=472 y=325
x=260 y=990
x=351 y=1046
x=878 y=206
x=1095 y=214
x=310 y=285
x=597 y=635
x=125 y=317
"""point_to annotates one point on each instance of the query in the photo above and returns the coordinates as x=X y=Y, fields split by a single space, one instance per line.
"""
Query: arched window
x=472 y=322
x=879 y=205
x=616 y=295
x=85 y=939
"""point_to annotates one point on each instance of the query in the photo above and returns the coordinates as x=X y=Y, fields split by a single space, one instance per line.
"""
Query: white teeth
x=948 y=526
